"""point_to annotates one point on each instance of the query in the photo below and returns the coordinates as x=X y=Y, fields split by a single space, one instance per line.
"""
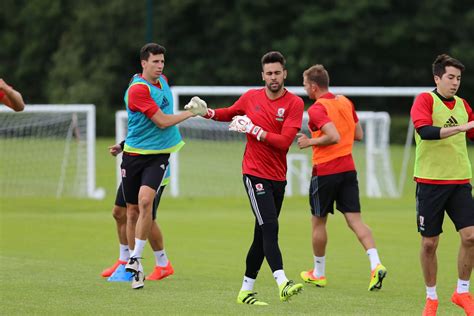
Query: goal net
x=210 y=162
x=48 y=150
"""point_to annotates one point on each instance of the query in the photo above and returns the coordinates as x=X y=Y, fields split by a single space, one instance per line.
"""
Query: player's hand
x=466 y=127
x=243 y=124
x=240 y=123
x=197 y=106
x=303 y=141
x=114 y=150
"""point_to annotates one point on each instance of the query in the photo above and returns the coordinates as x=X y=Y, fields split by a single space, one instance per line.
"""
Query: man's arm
x=359 y=133
x=12 y=98
x=163 y=120
x=330 y=137
x=446 y=132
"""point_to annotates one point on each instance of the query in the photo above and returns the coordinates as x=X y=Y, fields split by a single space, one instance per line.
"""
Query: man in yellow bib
x=442 y=173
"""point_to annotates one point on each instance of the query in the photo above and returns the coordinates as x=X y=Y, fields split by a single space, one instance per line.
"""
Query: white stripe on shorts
x=253 y=201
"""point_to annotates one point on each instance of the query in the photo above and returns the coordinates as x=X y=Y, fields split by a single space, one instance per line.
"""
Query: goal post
x=223 y=160
x=48 y=150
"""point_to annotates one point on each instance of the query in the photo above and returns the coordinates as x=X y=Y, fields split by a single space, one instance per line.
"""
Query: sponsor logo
x=280 y=114
x=124 y=173
x=451 y=122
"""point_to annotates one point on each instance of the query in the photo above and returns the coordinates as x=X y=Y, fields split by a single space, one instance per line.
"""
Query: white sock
x=247 y=284
x=319 y=266
x=160 y=258
x=463 y=286
x=139 y=246
x=431 y=293
x=124 y=253
x=280 y=277
x=373 y=257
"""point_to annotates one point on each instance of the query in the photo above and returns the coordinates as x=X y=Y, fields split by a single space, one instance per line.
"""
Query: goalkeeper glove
x=243 y=124
x=197 y=106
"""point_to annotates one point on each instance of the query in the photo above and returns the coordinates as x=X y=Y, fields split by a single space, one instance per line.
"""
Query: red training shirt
x=280 y=118
x=422 y=115
x=318 y=117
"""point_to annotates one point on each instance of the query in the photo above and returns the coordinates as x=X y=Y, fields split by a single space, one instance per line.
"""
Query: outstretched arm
x=11 y=98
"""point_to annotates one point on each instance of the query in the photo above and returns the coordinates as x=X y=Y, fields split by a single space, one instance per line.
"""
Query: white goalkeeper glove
x=197 y=106
x=243 y=124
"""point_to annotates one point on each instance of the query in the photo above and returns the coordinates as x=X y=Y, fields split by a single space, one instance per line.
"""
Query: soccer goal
x=210 y=162
x=48 y=150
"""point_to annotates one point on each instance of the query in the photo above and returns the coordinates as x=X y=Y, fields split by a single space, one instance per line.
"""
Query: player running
x=334 y=126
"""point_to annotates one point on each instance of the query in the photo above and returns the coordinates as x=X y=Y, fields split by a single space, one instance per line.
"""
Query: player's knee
x=145 y=202
x=468 y=239
x=429 y=245
x=132 y=213
x=119 y=213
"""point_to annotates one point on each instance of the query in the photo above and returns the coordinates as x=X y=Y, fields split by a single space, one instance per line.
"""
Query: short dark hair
x=273 y=57
x=443 y=61
x=151 y=49
x=318 y=75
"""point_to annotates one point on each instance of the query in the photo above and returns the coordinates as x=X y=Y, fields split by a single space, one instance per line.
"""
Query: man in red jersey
x=334 y=126
x=271 y=117
x=442 y=173
x=10 y=97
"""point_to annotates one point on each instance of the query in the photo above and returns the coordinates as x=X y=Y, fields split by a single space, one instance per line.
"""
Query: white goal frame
x=373 y=185
x=89 y=109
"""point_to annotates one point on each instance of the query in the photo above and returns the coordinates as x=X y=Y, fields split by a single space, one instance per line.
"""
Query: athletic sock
x=124 y=253
x=463 y=286
x=319 y=266
x=139 y=246
x=160 y=258
x=280 y=277
x=373 y=257
x=247 y=284
x=431 y=292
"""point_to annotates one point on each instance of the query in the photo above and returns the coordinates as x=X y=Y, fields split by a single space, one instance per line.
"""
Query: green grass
x=53 y=250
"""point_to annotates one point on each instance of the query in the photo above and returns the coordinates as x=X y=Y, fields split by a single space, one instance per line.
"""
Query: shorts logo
x=124 y=173
x=421 y=221
x=259 y=188
x=280 y=114
x=162 y=166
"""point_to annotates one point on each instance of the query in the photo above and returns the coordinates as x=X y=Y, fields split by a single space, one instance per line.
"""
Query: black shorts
x=120 y=199
x=266 y=197
x=433 y=199
x=342 y=188
x=149 y=170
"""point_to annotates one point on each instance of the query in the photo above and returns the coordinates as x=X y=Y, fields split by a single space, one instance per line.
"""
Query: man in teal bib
x=443 y=172
x=152 y=135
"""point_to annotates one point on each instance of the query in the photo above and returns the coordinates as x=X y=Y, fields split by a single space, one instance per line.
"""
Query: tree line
x=85 y=51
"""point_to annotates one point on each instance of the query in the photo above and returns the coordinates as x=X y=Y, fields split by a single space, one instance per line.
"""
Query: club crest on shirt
x=259 y=188
x=280 y=114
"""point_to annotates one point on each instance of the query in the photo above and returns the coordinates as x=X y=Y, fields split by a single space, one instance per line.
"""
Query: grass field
x=52 y=253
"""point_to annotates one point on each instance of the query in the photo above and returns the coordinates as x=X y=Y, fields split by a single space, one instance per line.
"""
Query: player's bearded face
x=274 y=76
